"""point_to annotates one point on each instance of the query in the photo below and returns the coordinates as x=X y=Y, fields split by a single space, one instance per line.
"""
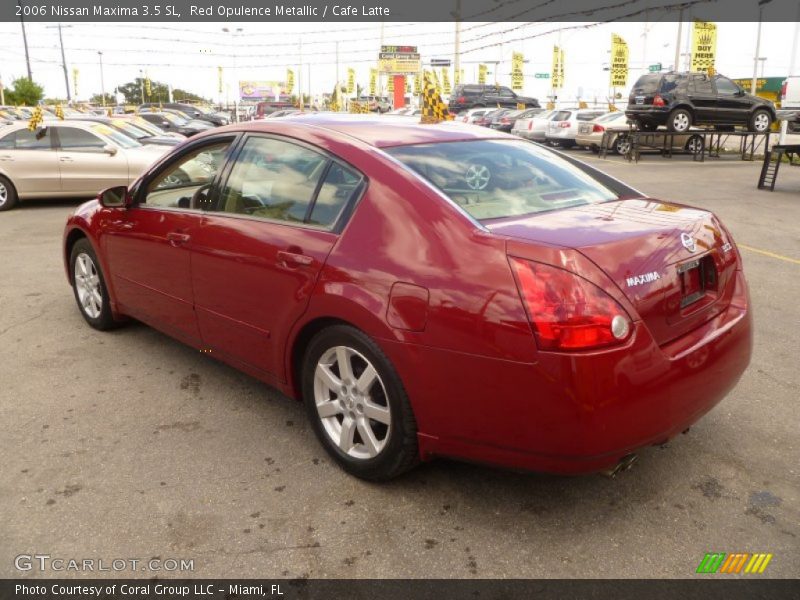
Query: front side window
x=726 y=87
x=273 y=179
x=186 y=182
x=702 y=85
x=72 y=139
x=497 y=178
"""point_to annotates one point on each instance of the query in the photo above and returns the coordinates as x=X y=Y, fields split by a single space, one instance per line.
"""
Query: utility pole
x=676 y=66
x=63 y=58
x=336 y=87
x=141 y=78
x=792 y=65
x=2 y=93
x=300 y=74
x=102 y=80
x=25 y=41
x=754 y=83
x=457 y=61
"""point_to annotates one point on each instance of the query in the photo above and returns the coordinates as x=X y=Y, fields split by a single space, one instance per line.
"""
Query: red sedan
x=426 y=290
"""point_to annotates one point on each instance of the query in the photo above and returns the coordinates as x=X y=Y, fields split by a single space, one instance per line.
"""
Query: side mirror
x=111 y=150
x=115 y=197
x=740 y=92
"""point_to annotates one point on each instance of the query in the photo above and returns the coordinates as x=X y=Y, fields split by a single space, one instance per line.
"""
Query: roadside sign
x=440 y=62
x=655 y=68
x=542 y=76
x=399 y=60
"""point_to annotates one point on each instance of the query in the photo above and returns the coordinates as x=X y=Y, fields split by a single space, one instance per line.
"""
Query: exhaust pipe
x=625 y=463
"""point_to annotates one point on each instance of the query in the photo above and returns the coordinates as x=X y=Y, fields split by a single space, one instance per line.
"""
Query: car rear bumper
x=649 y=114
x=574 y=413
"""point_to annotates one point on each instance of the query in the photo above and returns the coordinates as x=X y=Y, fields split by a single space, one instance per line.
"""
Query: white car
x=533 y=128
x=469 y=116
x=562 y=128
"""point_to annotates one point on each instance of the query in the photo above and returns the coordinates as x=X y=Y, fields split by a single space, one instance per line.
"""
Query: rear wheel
x=680 y=120
x=622 y=145
x=695 y=144
x=357 y=405
x=8 y=195
x=761 y=121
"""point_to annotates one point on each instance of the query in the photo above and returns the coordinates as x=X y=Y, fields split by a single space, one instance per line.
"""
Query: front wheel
x=622 y=145
x=680 y=120
x=761 y=121
x=89 y=286
x=8 y=195
x=357 y=405
x=695 y=144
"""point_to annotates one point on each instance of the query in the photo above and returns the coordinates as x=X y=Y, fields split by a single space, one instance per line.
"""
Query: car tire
x=695 y=144
x=621 y=145
x=760 y=121
x=8 y=195
x=376 y=448
x=679 y=121
x=88 y=283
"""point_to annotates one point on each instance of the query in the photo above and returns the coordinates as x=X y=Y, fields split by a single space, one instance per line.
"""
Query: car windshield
x=120 y=139
x=493 y=179
x=129 y=128
x=147 y=126
x=174 y=119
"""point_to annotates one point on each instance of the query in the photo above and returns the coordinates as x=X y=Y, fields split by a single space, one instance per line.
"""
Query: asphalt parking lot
x=131 y=445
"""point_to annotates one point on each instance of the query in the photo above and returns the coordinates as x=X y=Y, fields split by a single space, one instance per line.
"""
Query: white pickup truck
x=790 y=103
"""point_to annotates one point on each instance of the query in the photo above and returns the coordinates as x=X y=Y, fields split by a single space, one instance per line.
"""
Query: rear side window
x=702 y=85
x=499 y=178
x=562 y=115
x=273 y=179
x=338 y=187
x=24 y=139
x=673 y=83
x=648 y=84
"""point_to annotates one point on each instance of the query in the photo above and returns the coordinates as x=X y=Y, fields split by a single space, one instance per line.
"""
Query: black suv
x=190 y=110
x=680 y=100
x=476 y=96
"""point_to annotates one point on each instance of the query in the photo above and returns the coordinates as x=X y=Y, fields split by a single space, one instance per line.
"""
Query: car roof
x=379 y=131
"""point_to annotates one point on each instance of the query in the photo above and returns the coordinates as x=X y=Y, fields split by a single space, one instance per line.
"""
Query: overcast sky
x=187 y=55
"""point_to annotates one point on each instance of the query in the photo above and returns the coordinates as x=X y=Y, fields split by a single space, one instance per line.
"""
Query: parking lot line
x=771 y=254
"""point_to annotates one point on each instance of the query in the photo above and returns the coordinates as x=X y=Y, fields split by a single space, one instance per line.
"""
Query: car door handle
x=5 y=157
x=293 y=259
x=177 y=239
x=122 y=225
x=65 y=159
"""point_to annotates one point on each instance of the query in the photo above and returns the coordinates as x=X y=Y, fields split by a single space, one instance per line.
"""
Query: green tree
x=25 y=92
x=98 y=100
x=159 y=92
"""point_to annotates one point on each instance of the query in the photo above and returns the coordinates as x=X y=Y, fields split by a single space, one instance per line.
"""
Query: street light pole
x=754 y=83
x=234 y=33
x=63 y=58
x=141 y=79
x=25 y=41
x=102 y=79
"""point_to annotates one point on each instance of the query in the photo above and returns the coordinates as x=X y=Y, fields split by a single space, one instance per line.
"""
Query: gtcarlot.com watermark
x=46 y=563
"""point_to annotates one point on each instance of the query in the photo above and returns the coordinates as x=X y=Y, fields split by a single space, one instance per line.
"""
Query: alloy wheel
x=761 y=122
x=352 y=403
x=477 y=176
x=680 y=122
x=3 y=194
x=87 y=285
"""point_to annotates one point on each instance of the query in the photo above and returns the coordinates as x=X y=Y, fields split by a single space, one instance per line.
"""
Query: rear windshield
x=590 y=116
x=492 y=179
x=648 y=83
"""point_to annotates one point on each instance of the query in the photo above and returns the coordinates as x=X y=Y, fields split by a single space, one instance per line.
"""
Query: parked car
x=533 y=128
x=283 y=113
x=149 y=127
x=472 y=114
x=617 y=128
x=172 y=123
x=505 y=122
x=489 y=116
x=264 y=109
x=467 y=96
x=562 y=128
x=192 y=110
x=134 y=132
x=562 y=324
x=681 y=100
x=378 y=104
x=67 y=159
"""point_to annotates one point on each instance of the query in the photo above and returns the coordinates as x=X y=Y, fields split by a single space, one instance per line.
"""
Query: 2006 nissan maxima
x=426 y=290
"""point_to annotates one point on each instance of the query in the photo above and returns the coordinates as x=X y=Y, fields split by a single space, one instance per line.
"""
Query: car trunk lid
x=675 y=264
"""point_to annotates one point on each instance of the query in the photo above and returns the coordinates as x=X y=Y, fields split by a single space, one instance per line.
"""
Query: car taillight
x=567 y=311
x=461 y=99
x=505 y=120
x=658 y=101
x=783 y=89
x=598 y=129
x=565 y=124
x=530 y=125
